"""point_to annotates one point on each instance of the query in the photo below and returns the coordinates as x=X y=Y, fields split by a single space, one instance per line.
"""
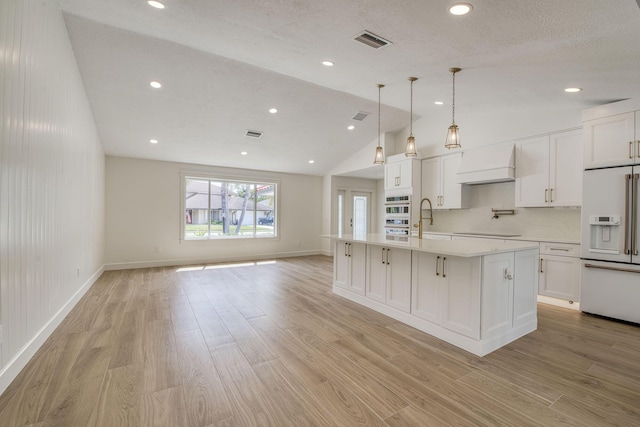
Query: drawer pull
x=444 y=268
x=437 y=262
x=559 y=249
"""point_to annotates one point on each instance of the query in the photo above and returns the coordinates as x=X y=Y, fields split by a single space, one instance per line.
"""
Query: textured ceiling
x=223 y=64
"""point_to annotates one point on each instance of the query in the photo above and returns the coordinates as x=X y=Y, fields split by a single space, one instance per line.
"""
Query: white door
x=451 y=190
x=609 y=141
x=565 y=169
x=353 y=212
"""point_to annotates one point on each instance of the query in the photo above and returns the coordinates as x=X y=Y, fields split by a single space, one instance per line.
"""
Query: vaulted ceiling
x=223 y=64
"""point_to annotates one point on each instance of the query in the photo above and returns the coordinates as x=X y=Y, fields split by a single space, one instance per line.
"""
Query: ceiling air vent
x=372 y=40
x=253 y=134
x=360 y=116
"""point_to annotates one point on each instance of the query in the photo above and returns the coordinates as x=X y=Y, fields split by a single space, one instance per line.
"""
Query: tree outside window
x=229 y=209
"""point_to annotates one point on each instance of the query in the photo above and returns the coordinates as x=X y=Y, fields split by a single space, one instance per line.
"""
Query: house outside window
x=229 y=209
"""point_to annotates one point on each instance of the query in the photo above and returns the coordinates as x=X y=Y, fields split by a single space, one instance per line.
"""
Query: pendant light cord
x=453 y=103
x=379 y=88
x=411 y=117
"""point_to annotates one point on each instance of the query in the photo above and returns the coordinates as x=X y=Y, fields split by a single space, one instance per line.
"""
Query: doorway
x=353 y=212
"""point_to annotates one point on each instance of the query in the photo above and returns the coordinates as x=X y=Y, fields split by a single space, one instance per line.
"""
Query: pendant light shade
x=410 y=150
x=453 y=134
x=379 y=159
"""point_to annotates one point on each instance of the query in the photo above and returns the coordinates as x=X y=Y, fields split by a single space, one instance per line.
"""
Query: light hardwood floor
x=269 y=344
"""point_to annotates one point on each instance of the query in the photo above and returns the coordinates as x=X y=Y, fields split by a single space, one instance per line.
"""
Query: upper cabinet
x=401 y=173
x=439 y=182
x=612 y=141
x=549 y=170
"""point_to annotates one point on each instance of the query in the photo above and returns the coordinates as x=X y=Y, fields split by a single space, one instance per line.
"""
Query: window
x=223 y=209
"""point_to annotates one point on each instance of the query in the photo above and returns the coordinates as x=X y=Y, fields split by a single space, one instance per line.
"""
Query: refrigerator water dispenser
x=605 y=234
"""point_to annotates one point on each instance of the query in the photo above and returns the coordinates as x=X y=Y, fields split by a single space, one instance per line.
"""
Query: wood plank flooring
x=268 y=344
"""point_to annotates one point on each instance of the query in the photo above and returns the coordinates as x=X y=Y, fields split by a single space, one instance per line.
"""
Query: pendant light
x=453 y=134
x=379 y=159
x=410 y=150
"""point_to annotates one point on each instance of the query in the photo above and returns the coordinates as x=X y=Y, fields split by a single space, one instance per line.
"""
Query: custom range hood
x=493 y=163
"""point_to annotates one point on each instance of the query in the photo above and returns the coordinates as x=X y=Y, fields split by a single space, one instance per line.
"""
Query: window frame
x=230 y=179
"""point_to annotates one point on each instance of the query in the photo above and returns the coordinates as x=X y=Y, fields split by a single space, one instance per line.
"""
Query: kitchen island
x=476 y=295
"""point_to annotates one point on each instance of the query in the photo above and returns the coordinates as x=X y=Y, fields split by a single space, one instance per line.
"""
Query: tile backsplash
x=551 y=223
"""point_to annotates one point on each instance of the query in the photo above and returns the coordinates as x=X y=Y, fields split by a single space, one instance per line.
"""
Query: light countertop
x=461 y=248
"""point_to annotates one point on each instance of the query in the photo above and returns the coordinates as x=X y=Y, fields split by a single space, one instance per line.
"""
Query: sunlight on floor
x=219 y=266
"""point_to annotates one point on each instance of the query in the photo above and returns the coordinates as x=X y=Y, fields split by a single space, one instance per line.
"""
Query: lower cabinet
x=446 y=291
x=481 y=297
x=560 y=271
x=389 y=276
x=478 y=303
x=508 y=292
x=349 y=271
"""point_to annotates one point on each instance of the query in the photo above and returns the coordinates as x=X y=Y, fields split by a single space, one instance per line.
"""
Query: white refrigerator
x=611 y=243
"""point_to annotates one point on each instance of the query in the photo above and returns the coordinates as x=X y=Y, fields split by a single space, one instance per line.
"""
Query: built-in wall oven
x=397 y=220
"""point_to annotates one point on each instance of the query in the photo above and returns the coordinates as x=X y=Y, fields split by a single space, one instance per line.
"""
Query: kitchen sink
x=487 y=234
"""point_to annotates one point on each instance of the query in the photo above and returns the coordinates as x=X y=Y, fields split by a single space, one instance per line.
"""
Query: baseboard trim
x=559 y=302
x=210 y=260
x=11 y=370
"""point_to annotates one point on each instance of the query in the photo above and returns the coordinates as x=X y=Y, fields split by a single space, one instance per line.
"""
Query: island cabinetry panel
x=389 y=276
x=350 y=266
x=508 y=292
x=446 y=291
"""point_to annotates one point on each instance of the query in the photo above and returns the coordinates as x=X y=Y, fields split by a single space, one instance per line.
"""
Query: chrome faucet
x=430 y=218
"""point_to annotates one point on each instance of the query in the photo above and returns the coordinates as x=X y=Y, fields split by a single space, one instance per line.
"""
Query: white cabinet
x=401 y=173
x=482 y=297
x=612 y=141
x=446 y=291
x=549 y=170
x=439 y=182
x=560 y=271
x=389 y=276
x=350 y=266
x=508 y=292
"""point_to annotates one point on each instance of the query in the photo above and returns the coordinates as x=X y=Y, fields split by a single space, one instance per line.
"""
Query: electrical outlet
x=78 y=272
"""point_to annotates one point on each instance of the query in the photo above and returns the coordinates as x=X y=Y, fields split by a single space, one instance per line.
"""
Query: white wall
x=143 y=213
x=51 y=181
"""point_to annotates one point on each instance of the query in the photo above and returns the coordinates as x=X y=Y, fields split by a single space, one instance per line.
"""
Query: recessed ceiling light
x=351 y=127
x=328 y=63
x=573 y=89
x=153 y=141
x=439 y=103
x=311 y=162
x=156 y=85
x=460 y=9
x=243 y=153
x=273 y=110
x=155 y=3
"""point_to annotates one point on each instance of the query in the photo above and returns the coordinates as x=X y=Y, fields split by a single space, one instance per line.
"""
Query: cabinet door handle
x=541 y=265
x=545 y=195
x=388 y=250
x=382 y=255
x=444 y=267
x=437 y=262
x=638 y=149
x=441 y=200
x=630 y=149
x=345 y=249
x=551 y=195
